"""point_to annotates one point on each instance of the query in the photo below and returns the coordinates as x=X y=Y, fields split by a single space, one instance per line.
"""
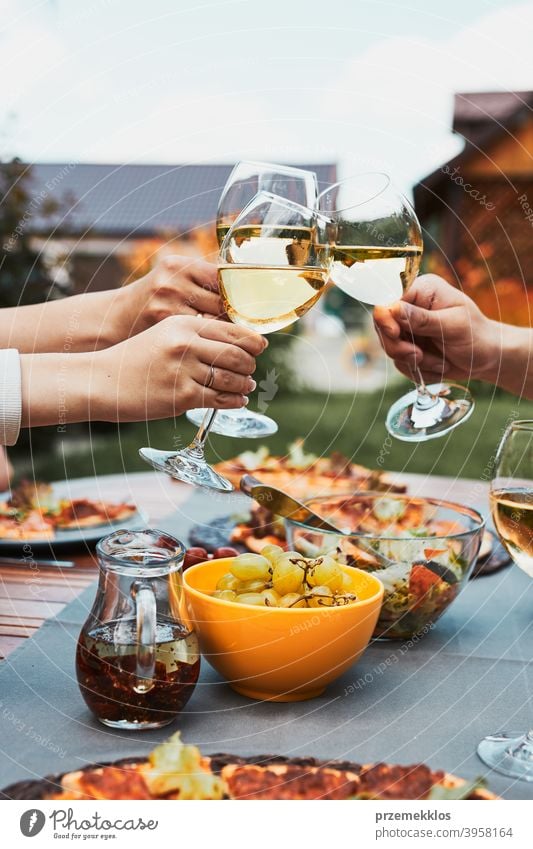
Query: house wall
x=481 y=227
x=512 y=155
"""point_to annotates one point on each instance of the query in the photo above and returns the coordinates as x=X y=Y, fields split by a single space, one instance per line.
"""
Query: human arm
x=156 y=374
x=441 y=331
x=97 y=320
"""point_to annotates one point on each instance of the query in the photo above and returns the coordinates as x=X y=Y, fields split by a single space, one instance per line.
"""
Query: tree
x=26 y=276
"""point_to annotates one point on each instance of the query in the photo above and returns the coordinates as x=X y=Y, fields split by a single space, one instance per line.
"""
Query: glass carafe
x=137 y=660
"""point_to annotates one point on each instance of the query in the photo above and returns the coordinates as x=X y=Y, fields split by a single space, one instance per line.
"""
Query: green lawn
x=351 y=425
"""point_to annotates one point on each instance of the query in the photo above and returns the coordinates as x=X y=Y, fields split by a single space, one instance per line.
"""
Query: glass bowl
x=422 y=550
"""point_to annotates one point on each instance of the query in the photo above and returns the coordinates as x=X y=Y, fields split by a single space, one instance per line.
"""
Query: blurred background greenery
x=350 y=424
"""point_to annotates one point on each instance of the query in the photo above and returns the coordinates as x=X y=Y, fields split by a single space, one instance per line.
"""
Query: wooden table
x=28 y=595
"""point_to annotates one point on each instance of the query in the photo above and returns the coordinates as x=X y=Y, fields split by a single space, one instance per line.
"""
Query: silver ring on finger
x=211 y=380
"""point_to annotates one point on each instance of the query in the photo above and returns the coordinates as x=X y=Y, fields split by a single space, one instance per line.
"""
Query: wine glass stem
x=424 y=398
x=196 y=448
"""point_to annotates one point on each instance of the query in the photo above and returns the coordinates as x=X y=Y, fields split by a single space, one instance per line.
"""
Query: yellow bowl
x=279 y=654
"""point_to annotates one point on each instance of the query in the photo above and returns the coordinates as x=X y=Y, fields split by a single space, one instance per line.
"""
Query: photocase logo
x=32 y=822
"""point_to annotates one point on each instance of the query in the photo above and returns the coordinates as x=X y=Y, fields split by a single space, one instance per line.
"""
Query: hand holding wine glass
x=246 y=180
x=270 y=274
x=377 y=245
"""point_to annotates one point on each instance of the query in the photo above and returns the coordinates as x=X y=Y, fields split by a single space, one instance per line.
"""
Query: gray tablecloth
x=431 y=701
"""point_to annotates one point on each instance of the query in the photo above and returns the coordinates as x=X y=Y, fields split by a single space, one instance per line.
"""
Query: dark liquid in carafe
x=106 y=661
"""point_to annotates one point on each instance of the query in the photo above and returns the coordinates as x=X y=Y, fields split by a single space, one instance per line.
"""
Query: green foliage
x=353 y=425
x=23 y=276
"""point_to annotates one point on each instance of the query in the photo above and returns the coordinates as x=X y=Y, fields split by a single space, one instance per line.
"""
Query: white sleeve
x=10 y=396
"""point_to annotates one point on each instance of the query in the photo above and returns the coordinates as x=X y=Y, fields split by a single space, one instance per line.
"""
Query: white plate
x=75 y=536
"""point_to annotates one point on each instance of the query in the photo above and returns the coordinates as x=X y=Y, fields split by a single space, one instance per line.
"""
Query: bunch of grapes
x=277 y=578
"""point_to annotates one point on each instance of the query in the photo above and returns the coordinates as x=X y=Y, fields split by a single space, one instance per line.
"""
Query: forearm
x=58 y=389
x=87 y=322
x=510 y=362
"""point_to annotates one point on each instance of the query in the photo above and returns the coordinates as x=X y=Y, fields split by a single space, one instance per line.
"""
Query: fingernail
x=388 y=330
x=252 y=384
x=245 y=401
x=266 y=343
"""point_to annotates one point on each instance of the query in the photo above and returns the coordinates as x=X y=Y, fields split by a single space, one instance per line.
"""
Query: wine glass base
x=238 y=423
x=510 y=754
x=185 y=466
x=409 y=421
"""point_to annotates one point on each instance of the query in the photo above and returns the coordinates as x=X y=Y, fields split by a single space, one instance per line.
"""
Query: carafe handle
x=146 y=619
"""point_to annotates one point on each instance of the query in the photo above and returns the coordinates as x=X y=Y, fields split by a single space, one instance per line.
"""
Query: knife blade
x=285 y=505
x=36 y=562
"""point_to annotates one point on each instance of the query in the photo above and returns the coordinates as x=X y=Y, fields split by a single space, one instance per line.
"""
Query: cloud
x=86 y=91
x=396 y=98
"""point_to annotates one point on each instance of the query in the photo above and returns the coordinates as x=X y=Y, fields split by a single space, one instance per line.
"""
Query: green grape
x=327 y=573
x=246 y=567
x=271 y=598
x=286 y=575
x=321 y=597
x=346 y=582
x=225 y=595
x=255 y=586
x=290 y=598
x=272 y=552
x=250 y=598
x=227 y=582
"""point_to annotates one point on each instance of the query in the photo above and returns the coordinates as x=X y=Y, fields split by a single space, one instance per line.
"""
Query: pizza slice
x=85 y=513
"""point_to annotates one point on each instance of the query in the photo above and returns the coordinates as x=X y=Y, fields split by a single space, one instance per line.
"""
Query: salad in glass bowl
x=421 y=549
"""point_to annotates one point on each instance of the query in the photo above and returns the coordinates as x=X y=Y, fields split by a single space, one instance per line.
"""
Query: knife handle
x=247 y=483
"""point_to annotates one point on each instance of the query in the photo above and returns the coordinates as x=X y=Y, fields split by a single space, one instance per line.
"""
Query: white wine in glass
x=269 y=298
x=511 y=502
x=374 y=274
x=512 y=514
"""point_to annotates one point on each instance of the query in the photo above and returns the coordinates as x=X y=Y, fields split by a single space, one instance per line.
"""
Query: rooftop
x=136 y=200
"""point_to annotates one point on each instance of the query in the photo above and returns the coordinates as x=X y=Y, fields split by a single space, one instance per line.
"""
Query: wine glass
x=244 y=182
x=270 y=274
x=511 y=502
x=377 y=248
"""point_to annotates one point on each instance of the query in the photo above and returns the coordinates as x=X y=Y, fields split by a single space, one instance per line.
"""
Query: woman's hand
x=180 y=363
x=440 y=330
x=177 y=285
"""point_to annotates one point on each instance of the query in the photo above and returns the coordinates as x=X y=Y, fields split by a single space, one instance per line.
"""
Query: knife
x=285 y=505
x=44 y=564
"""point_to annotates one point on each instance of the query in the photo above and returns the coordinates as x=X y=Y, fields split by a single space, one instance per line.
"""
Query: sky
x=364 y=83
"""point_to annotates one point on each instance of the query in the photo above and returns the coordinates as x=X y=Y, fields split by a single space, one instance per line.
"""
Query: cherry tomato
x=225 y=551
x=193 y=556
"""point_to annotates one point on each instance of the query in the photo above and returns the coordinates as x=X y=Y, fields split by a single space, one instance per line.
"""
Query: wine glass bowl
x=245 y=181
x=270 y=273
x=511 y=502
x=423 y=551
x=376 y=237
x=249 y=178
x=377 y=246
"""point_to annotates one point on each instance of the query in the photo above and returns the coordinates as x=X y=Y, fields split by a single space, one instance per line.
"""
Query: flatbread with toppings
x=33 y=512
x=303 y=475
x=177 y=771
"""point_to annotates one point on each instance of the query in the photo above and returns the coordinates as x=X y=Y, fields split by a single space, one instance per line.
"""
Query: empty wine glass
x=377 y=248
x=270 y=274
x=244 y=182
x=511 y=502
